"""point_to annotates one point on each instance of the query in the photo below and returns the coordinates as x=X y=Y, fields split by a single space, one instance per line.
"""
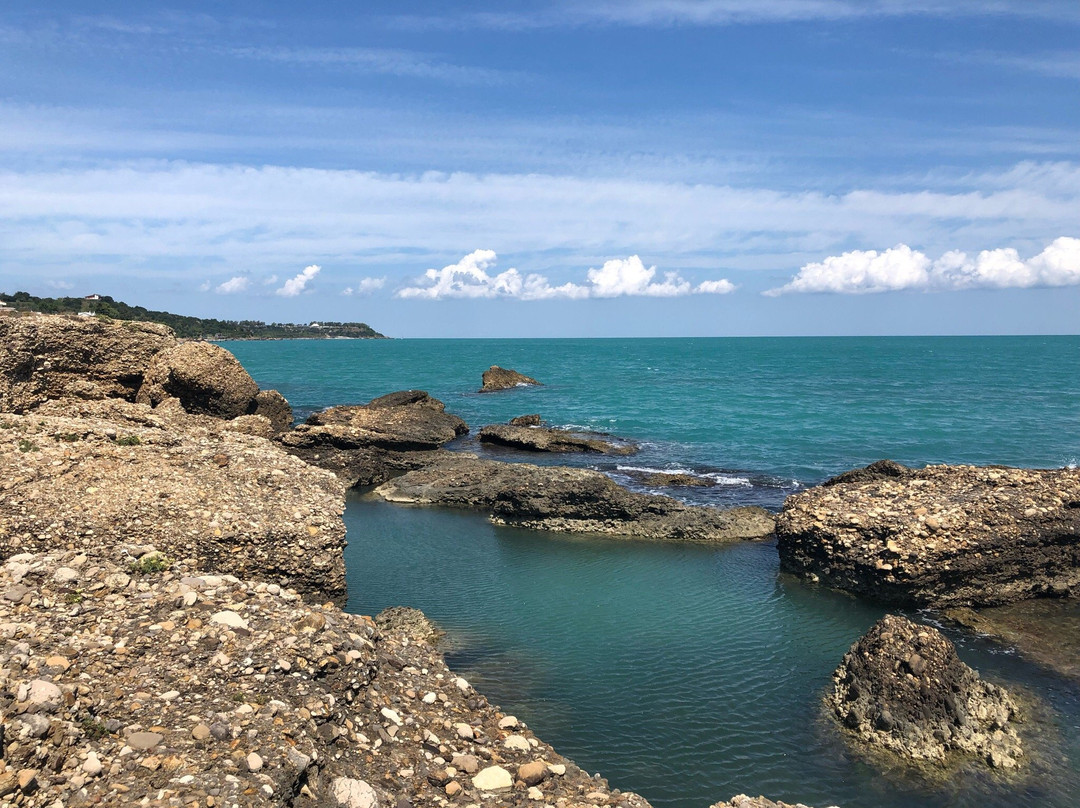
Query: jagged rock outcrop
x=902 y=688
x=207 y=380
x=879 y=470
x=46 y=357
x=368 y=444
x=568 y=499
x=544 y=439
x=85 y=475
x=941 y=536
x=155 y=683
x=667 y=479
x=496 y=378
x=526 y=420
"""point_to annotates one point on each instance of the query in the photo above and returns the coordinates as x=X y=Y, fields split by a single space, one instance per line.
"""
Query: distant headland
x=182 y=325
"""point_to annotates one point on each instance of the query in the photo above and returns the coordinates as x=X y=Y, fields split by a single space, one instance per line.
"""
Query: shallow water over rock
x=685 y=673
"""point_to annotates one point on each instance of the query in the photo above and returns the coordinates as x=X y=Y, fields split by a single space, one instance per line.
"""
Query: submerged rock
x=368 y=444
x=566 y=499
x=544 y=439
x=45 y=357
x=496 y=378
x=902 y=688
x=85 y=475
x=940 y=536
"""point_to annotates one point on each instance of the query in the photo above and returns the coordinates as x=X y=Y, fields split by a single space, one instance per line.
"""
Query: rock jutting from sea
x=370 y=443
x=496 y=378
x=570 y=500
x=535 y=438
x=941 y=536
x=903 y=689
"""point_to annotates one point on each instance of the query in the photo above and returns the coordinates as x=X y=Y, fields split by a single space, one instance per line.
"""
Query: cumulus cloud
x=900 y=268
x=470 y=278
x=297 y=284
x=365 y=286
x=233 y=285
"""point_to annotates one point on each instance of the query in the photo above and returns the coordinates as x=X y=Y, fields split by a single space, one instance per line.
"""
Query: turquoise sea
x=691 y=673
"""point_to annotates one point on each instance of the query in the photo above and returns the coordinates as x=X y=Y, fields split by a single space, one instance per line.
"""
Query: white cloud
x=365 y=286
x=900 y=268
x=270 y=281
x=61 y=285
x=618 y=277
x=233 y=285
x=296 y=285
x=720 y=287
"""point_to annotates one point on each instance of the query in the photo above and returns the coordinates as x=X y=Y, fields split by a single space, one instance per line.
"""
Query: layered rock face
x=568 y=499
x=902 y=688
x=83 y=475
x=46 y=357
x=941 y=536
x=368 y=444
x=176 y=688
x=496 y=378
x=542 y=439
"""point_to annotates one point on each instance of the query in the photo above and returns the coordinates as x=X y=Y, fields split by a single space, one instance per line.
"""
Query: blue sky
x=640 y=167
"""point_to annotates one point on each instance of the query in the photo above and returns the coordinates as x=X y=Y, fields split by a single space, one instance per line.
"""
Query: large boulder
x=274 y=407
x=368 y=444
x=496 y=378
x=46 y=357
x=566 y=499
x=545 y=439
x=902 y=688
x=207 y=380
x=86 y=475
x=940 y=536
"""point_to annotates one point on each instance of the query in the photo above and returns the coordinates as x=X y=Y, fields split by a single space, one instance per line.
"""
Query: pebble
x=493 y=778
x=351 y=793
x=142 y=741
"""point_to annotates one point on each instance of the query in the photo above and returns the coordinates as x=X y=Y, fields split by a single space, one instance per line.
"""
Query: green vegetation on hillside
x=190 y=327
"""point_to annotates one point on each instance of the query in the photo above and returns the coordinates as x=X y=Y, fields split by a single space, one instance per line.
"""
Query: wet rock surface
x=175 y=688
x=664 y=479
x=496 y=378
x=941 y=536
x=902 y=688
x=1044 y=631
x=546 y=439
x=46 y=357
x=568 y=499
x=86 y=475
x=368 y=444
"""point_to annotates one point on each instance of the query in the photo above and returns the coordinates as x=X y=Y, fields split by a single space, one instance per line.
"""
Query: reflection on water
x=686 y=673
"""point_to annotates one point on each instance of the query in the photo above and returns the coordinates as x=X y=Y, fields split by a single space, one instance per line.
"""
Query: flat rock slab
x=83 y=475
x=367 y=444
x=941 y=536
x=546 y=439
x=570 y=500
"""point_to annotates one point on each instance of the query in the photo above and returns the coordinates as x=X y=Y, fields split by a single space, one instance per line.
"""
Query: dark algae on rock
x=903 y=689
x=536 y=438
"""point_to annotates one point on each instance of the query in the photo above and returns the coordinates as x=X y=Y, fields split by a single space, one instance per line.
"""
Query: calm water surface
x=692 y=673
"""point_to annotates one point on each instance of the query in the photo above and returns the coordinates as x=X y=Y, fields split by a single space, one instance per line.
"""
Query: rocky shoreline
x=173 y=557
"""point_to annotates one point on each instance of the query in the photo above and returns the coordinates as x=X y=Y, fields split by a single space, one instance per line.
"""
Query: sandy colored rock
x=46 y=357
x=368 y=444
x=902 y=688
x=205 y=378
x=743 y=801
x=941 y=536
x=570 y=500
x=275 y=408
x=83 y=475
x=496 y=378
x=544 y=439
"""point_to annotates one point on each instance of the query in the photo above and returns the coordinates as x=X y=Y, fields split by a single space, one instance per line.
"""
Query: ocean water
x=691 y=673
